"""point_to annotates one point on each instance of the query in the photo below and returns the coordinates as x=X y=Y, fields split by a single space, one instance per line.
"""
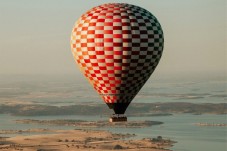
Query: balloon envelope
x=117 y=46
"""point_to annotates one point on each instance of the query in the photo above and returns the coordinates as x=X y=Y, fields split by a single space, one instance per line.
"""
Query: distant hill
x=135 y=109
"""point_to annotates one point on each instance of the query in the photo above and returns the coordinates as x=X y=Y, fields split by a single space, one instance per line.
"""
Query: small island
x=92 y=124
x=211 y=124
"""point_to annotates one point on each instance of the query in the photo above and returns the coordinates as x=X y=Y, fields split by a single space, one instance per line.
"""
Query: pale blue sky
x=35 y=35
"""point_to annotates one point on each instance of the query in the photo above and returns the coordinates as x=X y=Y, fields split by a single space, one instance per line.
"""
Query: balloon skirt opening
x=119 y=108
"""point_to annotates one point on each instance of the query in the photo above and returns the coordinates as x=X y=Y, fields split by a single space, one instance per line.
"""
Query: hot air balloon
x=117 y=47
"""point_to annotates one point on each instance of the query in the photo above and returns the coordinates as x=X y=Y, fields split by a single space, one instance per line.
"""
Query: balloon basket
x=118 y=118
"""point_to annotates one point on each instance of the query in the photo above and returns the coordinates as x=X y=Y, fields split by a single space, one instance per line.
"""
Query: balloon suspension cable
x=118 y=118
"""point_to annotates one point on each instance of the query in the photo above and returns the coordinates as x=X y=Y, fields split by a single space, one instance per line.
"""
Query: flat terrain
x=135 y=109
x=81 y=140
x=92 y=124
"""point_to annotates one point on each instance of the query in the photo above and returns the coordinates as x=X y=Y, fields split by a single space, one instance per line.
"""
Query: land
x=43 y=130
x=82 y=140
x=91 y=124
x=135 y=109
x=211 y=124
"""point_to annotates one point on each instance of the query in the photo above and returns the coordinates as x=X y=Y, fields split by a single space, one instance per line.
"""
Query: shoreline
x=211 y=124
x=91 y=124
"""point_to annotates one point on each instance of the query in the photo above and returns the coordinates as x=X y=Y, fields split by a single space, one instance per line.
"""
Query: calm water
x=71 y=90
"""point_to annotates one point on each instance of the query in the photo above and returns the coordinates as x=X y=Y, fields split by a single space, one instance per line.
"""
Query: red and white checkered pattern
x=117 y=46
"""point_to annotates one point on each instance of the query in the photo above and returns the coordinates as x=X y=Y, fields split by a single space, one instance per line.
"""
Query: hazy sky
x=35 y=35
